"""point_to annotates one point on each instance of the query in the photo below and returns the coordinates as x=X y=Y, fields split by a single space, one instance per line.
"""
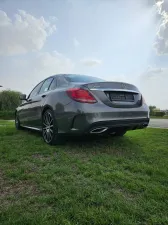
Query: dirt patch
x=9 y=190
x=41 y=157
x=128 y=196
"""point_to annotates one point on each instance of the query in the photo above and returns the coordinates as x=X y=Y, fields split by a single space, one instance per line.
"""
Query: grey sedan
x=78 y=105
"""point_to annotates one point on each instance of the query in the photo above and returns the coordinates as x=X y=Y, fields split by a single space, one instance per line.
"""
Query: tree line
x=154 y=111
x=9 y=100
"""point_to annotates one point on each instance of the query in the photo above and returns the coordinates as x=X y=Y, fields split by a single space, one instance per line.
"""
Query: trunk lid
x=116 y=94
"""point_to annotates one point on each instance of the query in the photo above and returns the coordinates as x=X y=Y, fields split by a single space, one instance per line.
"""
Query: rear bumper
x=128 y=124
x=81 y=118
x=112 y=125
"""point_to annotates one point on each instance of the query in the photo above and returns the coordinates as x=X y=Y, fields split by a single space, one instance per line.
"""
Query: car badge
x=123 y=86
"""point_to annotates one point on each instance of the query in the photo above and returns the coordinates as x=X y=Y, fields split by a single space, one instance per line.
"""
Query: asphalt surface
x=159 y=123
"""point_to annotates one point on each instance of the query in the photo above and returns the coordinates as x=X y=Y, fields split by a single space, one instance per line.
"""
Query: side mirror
x=23 y=97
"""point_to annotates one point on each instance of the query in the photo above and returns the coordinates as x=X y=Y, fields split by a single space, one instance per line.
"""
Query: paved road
x=158 y=123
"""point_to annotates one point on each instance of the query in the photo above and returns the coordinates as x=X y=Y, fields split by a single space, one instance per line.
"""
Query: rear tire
x=50 y=129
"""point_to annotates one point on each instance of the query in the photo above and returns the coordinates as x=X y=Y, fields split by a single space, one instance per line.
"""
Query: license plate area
x=121 y=96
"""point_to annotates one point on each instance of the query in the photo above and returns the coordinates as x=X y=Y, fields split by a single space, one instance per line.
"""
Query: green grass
x=90 y=181
x=6 y=123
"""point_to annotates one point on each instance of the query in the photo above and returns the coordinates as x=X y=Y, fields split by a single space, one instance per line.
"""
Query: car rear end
x=107 y=106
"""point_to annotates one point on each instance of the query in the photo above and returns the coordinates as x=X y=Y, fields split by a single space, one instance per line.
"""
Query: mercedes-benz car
x=79 y=105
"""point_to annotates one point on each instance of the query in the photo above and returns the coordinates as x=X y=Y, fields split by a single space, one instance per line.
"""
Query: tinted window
x=46 y=85
x=61 y=81
x=35 y=90
x=81 y=78
x=53 y=85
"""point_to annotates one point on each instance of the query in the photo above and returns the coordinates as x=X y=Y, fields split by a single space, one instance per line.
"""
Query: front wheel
x=17 y=122
x=50 y=129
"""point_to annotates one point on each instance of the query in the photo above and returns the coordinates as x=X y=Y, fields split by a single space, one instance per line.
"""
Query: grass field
x=87 y=181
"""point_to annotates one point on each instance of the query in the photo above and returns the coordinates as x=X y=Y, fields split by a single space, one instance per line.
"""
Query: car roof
x=63 y=74
x=54 y=75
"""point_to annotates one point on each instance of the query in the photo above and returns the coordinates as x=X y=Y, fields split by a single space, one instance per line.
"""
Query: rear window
x=81 y=78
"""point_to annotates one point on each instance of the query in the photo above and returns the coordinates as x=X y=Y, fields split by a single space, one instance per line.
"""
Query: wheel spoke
x=50 y=120
x=48 y=127
x=44 y=124
x=45 y=135
x=45 y=120
x=44 y=131
x=48 y=137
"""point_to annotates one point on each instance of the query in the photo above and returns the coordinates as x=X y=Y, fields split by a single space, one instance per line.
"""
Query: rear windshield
x=81 y=78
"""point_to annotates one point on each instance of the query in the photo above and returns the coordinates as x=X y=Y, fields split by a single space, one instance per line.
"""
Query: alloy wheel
x=48 y=127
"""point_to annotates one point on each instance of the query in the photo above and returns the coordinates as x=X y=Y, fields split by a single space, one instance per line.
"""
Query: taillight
x=81 y=95
x=143 y=100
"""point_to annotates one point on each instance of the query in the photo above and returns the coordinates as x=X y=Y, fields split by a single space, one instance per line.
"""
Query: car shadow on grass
x=125 y=145
x=95 y=144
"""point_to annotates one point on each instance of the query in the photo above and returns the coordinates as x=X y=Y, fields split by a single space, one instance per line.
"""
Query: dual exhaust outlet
x=99 y=130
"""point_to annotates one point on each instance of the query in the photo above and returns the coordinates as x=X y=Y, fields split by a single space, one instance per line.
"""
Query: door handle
x=43 y=96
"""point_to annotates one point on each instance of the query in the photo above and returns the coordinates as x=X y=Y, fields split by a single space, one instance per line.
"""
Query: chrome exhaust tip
x=98 y=130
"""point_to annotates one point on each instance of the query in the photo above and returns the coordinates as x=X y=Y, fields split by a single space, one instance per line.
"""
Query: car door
x=37 y=103
x=25 y=108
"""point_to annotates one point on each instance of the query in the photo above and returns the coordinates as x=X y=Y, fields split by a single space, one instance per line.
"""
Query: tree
x=152 y=109
x=156 y=111
x=9 y=100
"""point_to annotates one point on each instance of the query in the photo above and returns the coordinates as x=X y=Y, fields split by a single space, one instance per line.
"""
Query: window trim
x=41 y=82
x=48 y=86
x=54 y=79
x=35 y=88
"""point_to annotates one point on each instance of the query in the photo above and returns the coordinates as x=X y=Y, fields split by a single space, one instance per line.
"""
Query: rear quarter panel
x=58 y=101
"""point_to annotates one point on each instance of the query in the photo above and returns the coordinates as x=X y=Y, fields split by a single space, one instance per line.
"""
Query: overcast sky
x=123 y=40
